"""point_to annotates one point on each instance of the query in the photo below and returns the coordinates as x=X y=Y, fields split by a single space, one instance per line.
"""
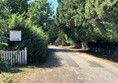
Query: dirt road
x=65 y=66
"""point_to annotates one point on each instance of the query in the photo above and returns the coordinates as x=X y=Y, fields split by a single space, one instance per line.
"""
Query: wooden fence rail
x=14 y=57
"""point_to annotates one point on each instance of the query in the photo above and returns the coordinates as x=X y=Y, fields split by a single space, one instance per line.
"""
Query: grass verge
x=16 y=73
x=92 y=56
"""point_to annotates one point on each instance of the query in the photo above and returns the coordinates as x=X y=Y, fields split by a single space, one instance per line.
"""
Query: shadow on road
x=53 y=60
x=61 y=50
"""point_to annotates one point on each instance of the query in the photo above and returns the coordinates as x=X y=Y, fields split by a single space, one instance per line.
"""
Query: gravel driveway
x=66 y=66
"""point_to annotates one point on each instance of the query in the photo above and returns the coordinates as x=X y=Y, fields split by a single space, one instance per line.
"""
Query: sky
x=54 y=4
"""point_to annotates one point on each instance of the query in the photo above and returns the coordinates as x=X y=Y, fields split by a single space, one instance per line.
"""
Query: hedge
x=33 y=38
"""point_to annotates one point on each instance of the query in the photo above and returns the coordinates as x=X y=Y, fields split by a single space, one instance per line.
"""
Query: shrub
x=33 y=38
x=36 y=42
x=3 y=37
x=69 y=43
x=4 y=67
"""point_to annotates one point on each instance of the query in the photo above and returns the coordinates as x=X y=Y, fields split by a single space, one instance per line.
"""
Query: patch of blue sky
x=54 y=4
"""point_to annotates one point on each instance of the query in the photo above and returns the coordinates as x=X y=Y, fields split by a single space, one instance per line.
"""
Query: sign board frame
x=15 y=35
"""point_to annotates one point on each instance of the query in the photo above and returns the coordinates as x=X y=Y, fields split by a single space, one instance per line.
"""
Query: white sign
x=15 y=35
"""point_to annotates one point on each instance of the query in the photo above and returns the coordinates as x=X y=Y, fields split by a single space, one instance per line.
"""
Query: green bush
x=69 y=43
x=4 y=67
x=36 y=42
x=33 y=38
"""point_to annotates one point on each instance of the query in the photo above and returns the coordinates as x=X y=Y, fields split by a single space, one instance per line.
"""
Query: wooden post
x=25 y=55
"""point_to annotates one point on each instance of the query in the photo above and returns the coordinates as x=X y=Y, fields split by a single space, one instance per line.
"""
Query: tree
x=88 y=20
x=3 y=34
x=52 y=31
x=70 y=17
x=4 y=12
x=40 y=13
x=102 y=15
x=4 y=15
x=17 y=6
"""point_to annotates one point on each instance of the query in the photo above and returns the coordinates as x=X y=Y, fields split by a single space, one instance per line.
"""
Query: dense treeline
x=94 y=23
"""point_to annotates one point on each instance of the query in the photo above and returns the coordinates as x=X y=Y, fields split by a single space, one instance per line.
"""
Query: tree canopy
x=88 y=20
x=40 y=12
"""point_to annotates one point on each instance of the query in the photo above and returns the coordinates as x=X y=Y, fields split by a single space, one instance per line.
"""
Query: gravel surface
x=66 y=66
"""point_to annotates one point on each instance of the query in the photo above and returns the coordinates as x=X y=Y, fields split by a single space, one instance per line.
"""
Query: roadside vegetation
x=91 y=24
x=33 y=19
x=88 y=24
x=28 y=17
x=14 y=74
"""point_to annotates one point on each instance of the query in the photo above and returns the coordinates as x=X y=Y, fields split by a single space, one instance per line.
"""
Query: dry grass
x=15 y=74
x=92 y=57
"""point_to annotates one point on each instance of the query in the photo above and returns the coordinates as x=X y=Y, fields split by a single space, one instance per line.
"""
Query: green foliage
x=70 y=17
x=4 y=12
x=4 y=67
x=3 y=36
x=30 y=18
x=16 y=6
x=16 y=20
x=52 y=31
x=5 y=44
x=88 y=20
x=36 y=43
x=40 y=13
x=33 y=38
x=69 y=42
x=102 y=17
